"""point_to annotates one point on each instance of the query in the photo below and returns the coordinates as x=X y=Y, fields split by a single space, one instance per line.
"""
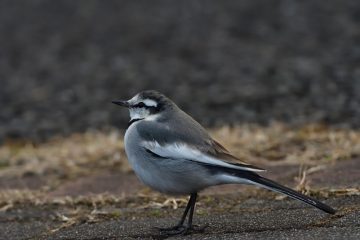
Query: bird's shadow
x=156 y=234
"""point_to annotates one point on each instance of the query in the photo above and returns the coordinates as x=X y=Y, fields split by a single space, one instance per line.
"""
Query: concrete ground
x=251 y=219
x=236 y=212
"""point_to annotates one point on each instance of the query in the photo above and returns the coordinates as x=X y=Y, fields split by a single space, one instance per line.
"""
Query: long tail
x=271 y=185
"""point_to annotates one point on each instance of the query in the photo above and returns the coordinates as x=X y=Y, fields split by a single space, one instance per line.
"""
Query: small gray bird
x=172 y=153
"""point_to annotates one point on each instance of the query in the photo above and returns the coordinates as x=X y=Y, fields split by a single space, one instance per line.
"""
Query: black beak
x=121 y=103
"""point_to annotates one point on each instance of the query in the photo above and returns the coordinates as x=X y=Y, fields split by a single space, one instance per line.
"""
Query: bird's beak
x=121 y=103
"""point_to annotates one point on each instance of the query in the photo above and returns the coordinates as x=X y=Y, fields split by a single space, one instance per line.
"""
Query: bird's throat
x=134 y=120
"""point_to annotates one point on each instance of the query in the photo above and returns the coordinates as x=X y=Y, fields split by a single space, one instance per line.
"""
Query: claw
x=181 y=230
x=175 y=230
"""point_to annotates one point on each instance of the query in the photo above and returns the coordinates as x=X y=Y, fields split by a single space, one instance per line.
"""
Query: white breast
x=172 y=176
x=131 y=140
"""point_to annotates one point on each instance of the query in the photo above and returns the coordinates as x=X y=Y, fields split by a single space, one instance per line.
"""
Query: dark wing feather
x=220 y=152
x=186 y=130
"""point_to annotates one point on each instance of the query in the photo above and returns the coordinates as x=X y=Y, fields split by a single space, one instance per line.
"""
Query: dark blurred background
x=225 y=62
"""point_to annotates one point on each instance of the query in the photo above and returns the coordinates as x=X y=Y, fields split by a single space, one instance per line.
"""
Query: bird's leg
x=188 y=206
x=180 y=228
x=192 y=208
x=190 y=226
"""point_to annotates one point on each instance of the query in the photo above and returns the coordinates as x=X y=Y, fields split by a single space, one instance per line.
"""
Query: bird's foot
x=175 y=230
x=181 y=230
x=170 y=228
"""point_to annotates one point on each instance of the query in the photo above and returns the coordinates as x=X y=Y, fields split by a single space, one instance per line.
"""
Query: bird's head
x=146 y=105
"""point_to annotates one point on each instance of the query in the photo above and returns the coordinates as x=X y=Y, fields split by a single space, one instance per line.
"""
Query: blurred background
x=224 y=62
x=277 y=82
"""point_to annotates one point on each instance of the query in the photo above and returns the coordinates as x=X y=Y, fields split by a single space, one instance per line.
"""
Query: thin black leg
x=180 y=225
x=193 y=202
x=180 y=228
x=190 y=226
x=188 y=206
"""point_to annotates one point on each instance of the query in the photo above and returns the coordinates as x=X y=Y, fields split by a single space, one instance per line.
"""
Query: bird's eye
x=140 y=105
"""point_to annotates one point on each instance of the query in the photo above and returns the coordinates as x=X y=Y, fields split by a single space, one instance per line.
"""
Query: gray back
x=175 y=125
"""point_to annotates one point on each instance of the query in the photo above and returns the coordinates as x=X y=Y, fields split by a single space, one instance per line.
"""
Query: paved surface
x=61 y=63
x=232 y=211
x=285 y=220
x=248 y=219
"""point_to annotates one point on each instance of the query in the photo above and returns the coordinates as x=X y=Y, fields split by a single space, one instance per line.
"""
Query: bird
x=172 y=153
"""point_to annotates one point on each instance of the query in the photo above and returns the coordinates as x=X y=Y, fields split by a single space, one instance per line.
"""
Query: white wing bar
x=183 y=151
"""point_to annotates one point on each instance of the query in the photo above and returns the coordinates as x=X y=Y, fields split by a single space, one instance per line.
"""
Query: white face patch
x=141 y=112
x=150 y=103
x=136 y=113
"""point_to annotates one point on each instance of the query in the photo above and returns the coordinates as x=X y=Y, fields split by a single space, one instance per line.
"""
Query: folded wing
x=218 y=156
x=187 y=139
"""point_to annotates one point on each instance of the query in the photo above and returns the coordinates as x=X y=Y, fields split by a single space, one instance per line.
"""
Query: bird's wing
x=183 y=151
x=220 y=152
x=186 y=144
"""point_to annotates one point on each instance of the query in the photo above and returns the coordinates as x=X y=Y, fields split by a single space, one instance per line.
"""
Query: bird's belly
x=171 y=176
x=168 y=177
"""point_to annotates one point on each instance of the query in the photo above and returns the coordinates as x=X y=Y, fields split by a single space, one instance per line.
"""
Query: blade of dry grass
x=80 y=154
x=313 y=146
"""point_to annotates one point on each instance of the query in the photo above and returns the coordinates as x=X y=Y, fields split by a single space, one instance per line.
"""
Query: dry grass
x=278 y=144
x=69 y=157
x=144 y=199
x=70 y=211
x=80 y=154
x=312 y=147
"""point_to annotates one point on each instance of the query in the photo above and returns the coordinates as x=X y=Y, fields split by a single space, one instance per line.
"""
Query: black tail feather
x=269 y=184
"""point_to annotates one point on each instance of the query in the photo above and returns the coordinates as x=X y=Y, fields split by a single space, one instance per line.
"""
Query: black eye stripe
x=141 y=105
